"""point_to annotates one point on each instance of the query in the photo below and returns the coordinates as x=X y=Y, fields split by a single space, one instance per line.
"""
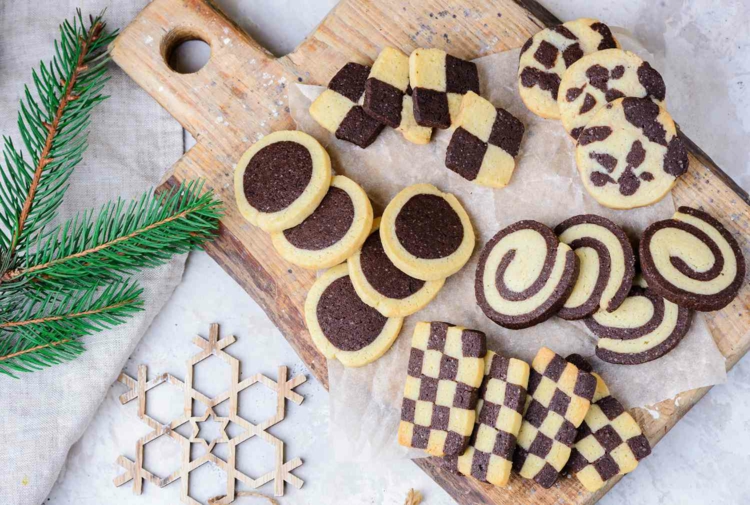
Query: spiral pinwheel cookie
x=383 y=286
x=485 y=142
x=524 y=275
x=692 y=260
x=333 y=232
x=629 y=154
x=342 y=326
x=446 y=366
x=339 y=108
x=281 y=179
x=601 y=77
x=426 y=233
x=546 y=56
x=438 y=82
x=606 y=265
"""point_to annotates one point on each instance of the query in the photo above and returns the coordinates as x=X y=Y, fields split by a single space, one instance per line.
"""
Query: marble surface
x=701 y=47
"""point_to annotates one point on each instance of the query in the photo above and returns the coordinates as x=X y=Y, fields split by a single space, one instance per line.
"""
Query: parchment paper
x=365 y=402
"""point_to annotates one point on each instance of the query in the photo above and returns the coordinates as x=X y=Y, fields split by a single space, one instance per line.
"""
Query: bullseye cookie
x=629 y=154
x=524 y=275
x=439 y=81
x=645 y=327
x=485 y=142
x=333 y=232
x=601 y=77
x=546 y=56
x=606 y=265
x=342 y=326
x=281 y=179
x=339 y=108
x=426 y=233
x=692 y=260
x=383 y=286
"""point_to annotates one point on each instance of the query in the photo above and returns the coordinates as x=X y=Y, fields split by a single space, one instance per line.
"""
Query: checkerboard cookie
x=609 y=441
x=560 y=396
x=426 y=233
x=383 y=286
x=485 y=142
x=692 y=260
x=446 y=366
x=439 y=81
x=501 y=401
x=342 y=326
x=339 y=108
x=281 y=180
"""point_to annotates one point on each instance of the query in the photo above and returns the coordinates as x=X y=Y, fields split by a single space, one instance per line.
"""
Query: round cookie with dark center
x=383 y=286
x=281 y=180
x=645 y=327
x=606 y=265
x=545 y=57
x=426 y=233
x=629 y=154
x=692 y=260
x=524 y=275
x=599 y=78
x=333 y=232
x=342 y=326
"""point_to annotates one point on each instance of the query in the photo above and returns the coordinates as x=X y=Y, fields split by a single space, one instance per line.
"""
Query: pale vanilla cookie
x=426 y=233
x=342 y=327
x=606 y=265
x=545 y=57
x=339 y=108
x=281 y=179
x=601 y=77
x=445 y=370
x=388 y=96
x=485 y=142
x=333 y=232
x=560 y=396
x=524 y=275
x=629 y=155
x=609 y=441
x=692 y=260
x=383 y=286
x=438 y=82
x=502 y=397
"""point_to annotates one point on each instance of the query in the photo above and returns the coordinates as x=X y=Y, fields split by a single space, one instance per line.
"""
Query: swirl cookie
x=692 y=260
x=342 y=327
x=333 y=232
x=545 y=57
x=606 y=265
x=600 y=78
x=383 y=286
x=281 y=179
x=524 y=275
x=629 y=154
x=426 y=233
x=446 y=366
x=339 y=108
x=388 y=96
x=485 y=142
x=439 y=81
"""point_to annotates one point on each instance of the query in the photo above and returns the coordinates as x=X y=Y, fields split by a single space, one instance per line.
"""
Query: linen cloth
x=132 y=141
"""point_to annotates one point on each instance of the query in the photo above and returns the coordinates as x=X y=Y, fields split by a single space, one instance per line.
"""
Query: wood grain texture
x=240 y=95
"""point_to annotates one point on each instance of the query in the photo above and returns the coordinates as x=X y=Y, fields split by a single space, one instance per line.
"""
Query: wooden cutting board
x=241 y=94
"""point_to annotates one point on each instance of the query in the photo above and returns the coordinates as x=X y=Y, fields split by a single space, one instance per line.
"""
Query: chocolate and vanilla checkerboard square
x=559 y=397
x=446 y=366
x=339 y=108
x=501 y=401
x=609 y=441
x=439 y=81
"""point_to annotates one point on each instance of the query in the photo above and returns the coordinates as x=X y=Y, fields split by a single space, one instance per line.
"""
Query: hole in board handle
x=184 y=51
